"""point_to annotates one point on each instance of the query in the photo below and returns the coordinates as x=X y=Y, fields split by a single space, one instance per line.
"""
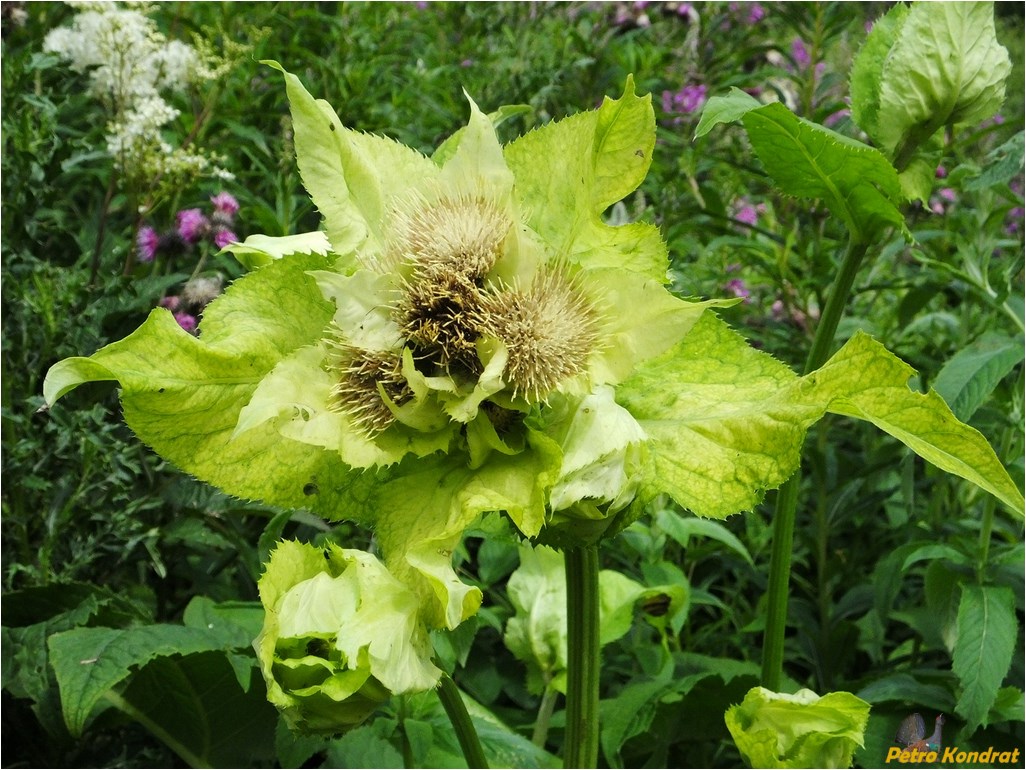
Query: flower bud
x=340 y=636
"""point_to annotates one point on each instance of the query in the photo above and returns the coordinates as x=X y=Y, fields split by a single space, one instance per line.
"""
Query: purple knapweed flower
x=947 y=194
x=186 y=321
x=225 y=203
x=147 y=241
x=171 y=303
x=691 y=98
x=756 y=13
x=941 y=172
x=223 y=236
x=748 y=214
x=192 y=225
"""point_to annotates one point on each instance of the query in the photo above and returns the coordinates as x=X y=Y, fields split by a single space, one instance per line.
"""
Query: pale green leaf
x=801 y=730
x=945 y=67
x=864 y=380
x=350 y=176
x=183 y=396
x=258 y=250
x=987 y=627
x=867 y=69
x=572 y=170
x=721 y=428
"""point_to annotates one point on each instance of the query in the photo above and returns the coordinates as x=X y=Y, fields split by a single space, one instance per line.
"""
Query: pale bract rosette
x=341 y=635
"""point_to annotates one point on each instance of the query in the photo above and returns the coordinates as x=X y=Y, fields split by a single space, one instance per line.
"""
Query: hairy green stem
x=583 y=663
x=541 y=725
x=456 y=709
x=787 y=497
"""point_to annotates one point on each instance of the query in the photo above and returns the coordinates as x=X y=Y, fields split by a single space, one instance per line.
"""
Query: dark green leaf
x=971 y=375
x=987 y=628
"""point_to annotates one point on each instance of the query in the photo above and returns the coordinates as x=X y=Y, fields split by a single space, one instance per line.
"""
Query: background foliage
x=892 y=565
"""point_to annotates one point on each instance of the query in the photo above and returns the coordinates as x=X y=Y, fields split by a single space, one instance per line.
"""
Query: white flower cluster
x=131 y=63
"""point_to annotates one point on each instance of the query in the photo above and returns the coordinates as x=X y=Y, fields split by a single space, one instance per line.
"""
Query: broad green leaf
x=237 y=622
x=194 y=704
x=726 y=422
x=573 y=169
x=349 y=175
x=944 y=67
x=447 y=148
x=721 y=427
x=867 y=69
x=971 y=375
x=801 y=730
x=907 y=689
x=806 y=160
x=363 y=748
x=258 y=250
x=987 y=627
x=183 y=395
x=90 y=661
x=865 y=381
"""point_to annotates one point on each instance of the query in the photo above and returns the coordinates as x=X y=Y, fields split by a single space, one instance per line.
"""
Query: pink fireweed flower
x=223 y=236
x=147 y=241
x=800 y=53
x=192 y=225
x=186 y=321
x=225 y=203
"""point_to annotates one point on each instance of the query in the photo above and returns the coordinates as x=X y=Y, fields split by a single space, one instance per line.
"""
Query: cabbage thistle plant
x=467 y=335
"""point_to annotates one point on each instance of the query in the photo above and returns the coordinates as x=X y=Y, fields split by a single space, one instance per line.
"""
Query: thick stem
x=583 y=663
x=456 y=709
x=787 y=497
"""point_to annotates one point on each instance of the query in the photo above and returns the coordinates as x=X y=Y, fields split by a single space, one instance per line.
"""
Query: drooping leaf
x=726 y=422
x=90 y=661
x=806 y=160
x=987 y=629
x=971 y=375
x=683 y=529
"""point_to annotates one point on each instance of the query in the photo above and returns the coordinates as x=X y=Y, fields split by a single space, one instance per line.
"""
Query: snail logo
x=912 y=733
x=916 y=748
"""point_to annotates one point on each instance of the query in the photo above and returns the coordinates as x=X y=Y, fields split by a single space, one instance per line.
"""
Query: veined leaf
x=90 y=661
x=986 y=640
x=726 y=422
x=258 y=250
x=183 y=395
x=806 y=160
x=972 y=373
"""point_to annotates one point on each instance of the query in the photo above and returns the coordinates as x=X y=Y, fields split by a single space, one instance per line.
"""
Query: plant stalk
x=456 y=709
x=787 y=497
x=583 y=663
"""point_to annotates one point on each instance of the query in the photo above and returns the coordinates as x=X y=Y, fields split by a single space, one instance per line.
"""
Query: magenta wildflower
x=691 y=98
x=467 y=63
x=836 y=117
x=171 y=303
x=738 y=288
x=747 y=213
x=192 y=225
x=756 y=13
x=225 y=203
x=947 y=194
x=941 y=172
x=223 y=236
x=147 y=241
x=1013 y=222
x=800 y=53
x=186 y=321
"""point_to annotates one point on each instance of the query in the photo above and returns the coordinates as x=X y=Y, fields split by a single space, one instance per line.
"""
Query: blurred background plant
x=120 y=125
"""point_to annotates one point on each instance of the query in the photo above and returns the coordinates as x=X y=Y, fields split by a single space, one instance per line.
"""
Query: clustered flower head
x=687 y=100
x=192 y=226
x=131 y=65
